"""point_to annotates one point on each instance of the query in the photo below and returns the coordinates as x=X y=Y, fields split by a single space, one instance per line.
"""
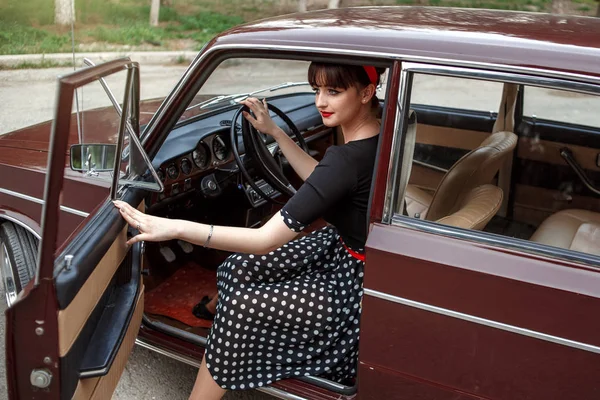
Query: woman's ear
x=367 y=93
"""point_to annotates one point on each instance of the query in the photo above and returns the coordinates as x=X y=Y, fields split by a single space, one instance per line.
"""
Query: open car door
x=70 y=332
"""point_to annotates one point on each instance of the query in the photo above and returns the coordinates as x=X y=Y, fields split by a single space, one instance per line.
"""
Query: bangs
x=336 y=75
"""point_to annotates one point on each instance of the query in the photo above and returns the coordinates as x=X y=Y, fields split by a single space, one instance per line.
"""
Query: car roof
x=547 y=41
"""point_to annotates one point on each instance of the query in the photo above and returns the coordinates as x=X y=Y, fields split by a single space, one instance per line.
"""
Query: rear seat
x=577 y=230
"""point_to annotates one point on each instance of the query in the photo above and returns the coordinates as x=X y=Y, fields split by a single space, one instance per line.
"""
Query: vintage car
x=482 y=262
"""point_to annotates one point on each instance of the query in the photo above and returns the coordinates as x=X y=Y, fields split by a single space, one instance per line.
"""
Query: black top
x=338 y=190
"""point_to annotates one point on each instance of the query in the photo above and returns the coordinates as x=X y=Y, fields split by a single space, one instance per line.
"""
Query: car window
x=532 y=182
x=467 y=94
x=265 y=77
x=247 y=75
x=561 y=106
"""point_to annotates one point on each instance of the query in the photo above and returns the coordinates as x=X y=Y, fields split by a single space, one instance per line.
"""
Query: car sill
x=280 y=394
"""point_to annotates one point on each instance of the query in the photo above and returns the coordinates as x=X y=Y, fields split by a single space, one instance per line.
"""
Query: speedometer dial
x=201 y=156
x=186 y=166
x=172 y=171
x=220 y=148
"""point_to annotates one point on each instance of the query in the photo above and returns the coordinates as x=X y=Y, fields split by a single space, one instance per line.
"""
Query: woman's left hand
x=262 y=120
x=152 y=229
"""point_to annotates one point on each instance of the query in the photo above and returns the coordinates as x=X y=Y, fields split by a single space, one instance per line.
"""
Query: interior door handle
x=567 y=154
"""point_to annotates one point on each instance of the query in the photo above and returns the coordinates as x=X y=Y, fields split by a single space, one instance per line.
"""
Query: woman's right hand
x=151 y=228
x=262 y=120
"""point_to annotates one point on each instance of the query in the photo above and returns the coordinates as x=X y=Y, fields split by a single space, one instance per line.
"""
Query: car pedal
x=185 y=246
x=168 y=254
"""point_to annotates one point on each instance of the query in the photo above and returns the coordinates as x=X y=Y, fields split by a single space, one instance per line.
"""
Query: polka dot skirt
x=293 y=312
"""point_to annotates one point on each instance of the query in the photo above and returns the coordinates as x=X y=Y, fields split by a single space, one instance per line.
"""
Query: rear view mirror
x=93 y=158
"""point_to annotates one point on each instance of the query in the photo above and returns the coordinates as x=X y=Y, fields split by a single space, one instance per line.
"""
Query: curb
x=63 y=59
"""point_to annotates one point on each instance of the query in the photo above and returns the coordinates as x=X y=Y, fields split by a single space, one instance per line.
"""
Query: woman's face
x=338 y=106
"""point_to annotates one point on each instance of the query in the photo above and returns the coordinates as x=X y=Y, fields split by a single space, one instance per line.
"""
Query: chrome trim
x=178 y=357
x=433 y=167
x=7 y=275
x=93 y=373
x=21 y=224
x=40 y=201
x=504 y=77
x=280 y=394
x=401 y=115
x=482 y=321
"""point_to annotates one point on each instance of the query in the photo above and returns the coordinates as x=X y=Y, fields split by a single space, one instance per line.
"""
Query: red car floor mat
x=177 y=296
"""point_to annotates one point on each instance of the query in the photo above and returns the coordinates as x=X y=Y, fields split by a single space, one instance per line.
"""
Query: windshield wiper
x=235 y=98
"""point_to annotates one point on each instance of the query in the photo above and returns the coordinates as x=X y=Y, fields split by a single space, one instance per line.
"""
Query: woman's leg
x=211 y=306
x=205 y=387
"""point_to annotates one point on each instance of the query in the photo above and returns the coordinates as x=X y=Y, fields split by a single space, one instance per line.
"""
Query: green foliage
x=209 y=22
x=133 y=34
x=19 y=39
x=27 y=12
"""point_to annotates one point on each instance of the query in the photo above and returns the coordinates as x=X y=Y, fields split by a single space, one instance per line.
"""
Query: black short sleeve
x=333 y=179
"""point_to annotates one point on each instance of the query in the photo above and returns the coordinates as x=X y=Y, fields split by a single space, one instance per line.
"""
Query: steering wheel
x=257 y=149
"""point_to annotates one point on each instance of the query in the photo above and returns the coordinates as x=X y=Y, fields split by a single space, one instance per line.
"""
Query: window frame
x=391 y=217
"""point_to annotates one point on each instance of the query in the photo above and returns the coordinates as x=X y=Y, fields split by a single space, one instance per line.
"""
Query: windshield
x=238 y=78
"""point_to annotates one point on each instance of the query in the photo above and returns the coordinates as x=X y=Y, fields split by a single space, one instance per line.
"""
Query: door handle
x=567 y=154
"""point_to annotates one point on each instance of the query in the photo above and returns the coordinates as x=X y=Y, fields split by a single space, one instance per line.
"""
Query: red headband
x=372 y=73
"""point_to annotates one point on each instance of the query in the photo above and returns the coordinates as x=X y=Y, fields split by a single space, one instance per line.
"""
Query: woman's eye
x=316 y=90
x=332 y=92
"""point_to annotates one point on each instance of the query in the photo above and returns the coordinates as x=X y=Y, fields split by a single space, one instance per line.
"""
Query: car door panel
x=393 y=385
x=71 y=331
x=103 y=387
x=544 y=182
x=486 y=321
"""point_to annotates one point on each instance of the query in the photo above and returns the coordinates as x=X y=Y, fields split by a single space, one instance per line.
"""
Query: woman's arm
x=302 y=163
x=269 y=237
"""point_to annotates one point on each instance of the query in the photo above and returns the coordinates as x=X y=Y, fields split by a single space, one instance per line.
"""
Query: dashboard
x=197 y=154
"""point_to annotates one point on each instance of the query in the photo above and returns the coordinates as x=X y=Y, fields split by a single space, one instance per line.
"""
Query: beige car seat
x=476 y=209
x=577 y=230
x=474 y=169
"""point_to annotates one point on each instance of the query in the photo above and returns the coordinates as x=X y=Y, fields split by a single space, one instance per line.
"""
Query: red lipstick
x=326 y=114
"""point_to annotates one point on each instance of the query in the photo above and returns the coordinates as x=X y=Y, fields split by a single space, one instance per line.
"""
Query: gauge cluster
x=178 y=174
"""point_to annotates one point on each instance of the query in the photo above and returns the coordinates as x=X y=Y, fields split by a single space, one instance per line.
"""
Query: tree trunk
x=559 y=6
x=598 y=10
x=64 y=12
x=154 y=12
x=302 y=5
x=334 y=4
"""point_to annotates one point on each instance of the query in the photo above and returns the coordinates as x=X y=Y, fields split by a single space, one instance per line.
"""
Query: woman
x=292 y=307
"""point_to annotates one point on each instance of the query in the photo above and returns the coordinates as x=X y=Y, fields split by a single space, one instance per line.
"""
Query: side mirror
x=93 y=158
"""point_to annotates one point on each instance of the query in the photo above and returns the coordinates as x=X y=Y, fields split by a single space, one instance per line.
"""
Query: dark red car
x=483 y=258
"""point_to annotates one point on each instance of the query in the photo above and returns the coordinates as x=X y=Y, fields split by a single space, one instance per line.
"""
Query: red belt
x=358 y=256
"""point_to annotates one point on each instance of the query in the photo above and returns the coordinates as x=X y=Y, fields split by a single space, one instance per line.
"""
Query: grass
x=37 y=65
x=27 y=26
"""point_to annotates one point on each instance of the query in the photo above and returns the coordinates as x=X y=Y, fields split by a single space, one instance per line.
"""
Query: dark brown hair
x=341 y=76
